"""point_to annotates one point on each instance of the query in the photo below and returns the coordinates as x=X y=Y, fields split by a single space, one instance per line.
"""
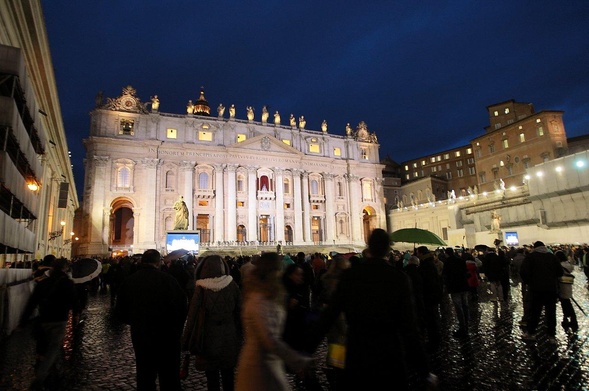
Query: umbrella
x=416 y=235
x=481 y=247
x=176 y=254
x=85 y=269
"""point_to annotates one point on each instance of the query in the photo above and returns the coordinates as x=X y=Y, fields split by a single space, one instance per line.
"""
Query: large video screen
x=186 y=240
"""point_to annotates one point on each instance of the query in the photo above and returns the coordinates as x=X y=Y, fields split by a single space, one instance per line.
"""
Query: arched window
x=170 y=179
x=203 y=180
x=264 y=183
x=314 y=187
x=124 y=178
x=340 y=189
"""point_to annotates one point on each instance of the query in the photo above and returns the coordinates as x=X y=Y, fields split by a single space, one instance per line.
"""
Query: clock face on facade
x=127 y=102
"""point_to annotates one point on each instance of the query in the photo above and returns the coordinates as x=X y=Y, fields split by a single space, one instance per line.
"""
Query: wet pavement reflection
x=98 y=353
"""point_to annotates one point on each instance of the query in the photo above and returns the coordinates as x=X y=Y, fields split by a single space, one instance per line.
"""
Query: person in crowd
x=541 y=271
x=494 y=267
x=473 y=275
x=104 y=275
x=297 y=306
x=219 y=297
x=309 y=274
x=54 y=296
x=565 y=293
x=412 y=270
x=455 y=276
x=264 y=353
x=383 y=342
x=505 y=282
x=432 y=296
x=336 y=336
x=153 y=303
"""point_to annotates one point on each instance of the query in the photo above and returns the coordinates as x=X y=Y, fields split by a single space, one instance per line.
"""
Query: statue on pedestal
x=232 y=111
x=250 y=113
x=348 y=130
x=190 y=107
x=220 y=110
x=276 y=118
x=495 y=221
x=155 y=104
x=181 y=218
x=302 y=122
x=324 y=126
x=265 y=115
x=293 y=121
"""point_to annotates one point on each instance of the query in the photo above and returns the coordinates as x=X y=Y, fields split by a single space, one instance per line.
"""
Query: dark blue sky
x=420 y=74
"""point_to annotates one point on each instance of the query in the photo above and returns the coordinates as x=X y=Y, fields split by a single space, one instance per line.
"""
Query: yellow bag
x=336 y=355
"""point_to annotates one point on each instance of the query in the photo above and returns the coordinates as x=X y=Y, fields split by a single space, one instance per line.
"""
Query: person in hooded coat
x=219 y=294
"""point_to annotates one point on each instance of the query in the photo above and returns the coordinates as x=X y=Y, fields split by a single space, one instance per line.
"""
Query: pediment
x=264 y=144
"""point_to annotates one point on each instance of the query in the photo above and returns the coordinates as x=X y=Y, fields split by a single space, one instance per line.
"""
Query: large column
x=97 y=240
x=306 y=209
x=187 y=191
x=231 y=207
x=279 y=190
x=380 y=204
x=145 y=238
x=252 y=204
x=298 y=209
x=329 y=208
x=218 y=232
x=355 y=213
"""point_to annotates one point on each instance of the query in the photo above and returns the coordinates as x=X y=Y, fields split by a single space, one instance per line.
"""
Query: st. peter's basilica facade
x=245 y=181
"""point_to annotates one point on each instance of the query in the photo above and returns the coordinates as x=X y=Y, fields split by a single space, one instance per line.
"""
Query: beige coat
x=264 y=352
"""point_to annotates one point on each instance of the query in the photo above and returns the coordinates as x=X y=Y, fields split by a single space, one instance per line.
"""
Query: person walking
x=54 y=296
x=541 y=270
x=494 y=267
x=383 y=343
x=264 y=353
x=218 y=299
x=432 y=296
x=456 y=278
x=153 y=303
x=565 y=293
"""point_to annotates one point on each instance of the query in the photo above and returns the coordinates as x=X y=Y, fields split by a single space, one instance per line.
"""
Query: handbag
x=197 y=336
x=336 y=355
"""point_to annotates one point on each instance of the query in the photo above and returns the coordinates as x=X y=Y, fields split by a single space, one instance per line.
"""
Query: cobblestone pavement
x=98 y=353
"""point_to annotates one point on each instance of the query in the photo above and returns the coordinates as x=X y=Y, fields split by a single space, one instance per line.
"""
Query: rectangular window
x=314 y=148
x=241 y=137
x=497 y=126
x=447 y=166
x=315 y=207
x=460 y=173
x=205 y=136
x=439 y=158
x=433 y=159
x=446 y=156
x=457 y=153
x=423 y=162
x=459 y=163
x=505 y=144
x=203 y=203
x=415 y=174
x=171 y=133
x=540 y=131
x=407 y=176
x=470 y=160
x=478 y=153
x=449 y=175
x=406 y=168
x=471 y=170
x=522 y=137
x=286 y=205
x=414 y=165
x=337 y=151
x=434 y=169
x=468 y=151
x=287 y=142
x=240 y=204
x=491 y=148
x=483 y=177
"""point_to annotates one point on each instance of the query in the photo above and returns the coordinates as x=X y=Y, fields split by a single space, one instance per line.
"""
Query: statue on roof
x=232 y=111
x=324 y=126
x=348 y=130
x=250 y=113
x=155 y=104
x=265 y=114
x=276 y=118
x=293 y=121
x=190 y=107
x=220 y=110
x=302 y=122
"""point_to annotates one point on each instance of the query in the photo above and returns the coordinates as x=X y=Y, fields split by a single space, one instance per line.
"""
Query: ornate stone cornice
x=128 y=101
x=231 y=167
x=101 y=160
x=329 y=175
x=186 y=165
x=150 y=162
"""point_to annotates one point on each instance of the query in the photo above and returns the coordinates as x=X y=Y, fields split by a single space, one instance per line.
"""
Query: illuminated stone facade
x=244 y=182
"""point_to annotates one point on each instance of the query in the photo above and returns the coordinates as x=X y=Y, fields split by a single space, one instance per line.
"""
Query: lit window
x=540 y=131
x=433 y=159
x=406 y=168
x=538 y=120
x=124 y=178
x=203 y=203
x=505 y=143
x=507 y=110
x=286 y=186
x=439 y=158
x=205 y=136
x=522 y=137
x=314 y=148
x=407 y=177
x=468 y=151
x=241 y=137
x=240 y=204
x=287 y=142
x=315 y=207
x=171 y=133
x=457 y=154
x=446 y=156
x=415 y=174
x=286 y=206
x=414 y=165
x=496 y=113
x=364 y=154
x=423 y=162
x=337 y=151
x=203 y=180
x=520 y=127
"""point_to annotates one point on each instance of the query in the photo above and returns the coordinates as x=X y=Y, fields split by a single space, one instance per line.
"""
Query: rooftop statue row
x=129 y=101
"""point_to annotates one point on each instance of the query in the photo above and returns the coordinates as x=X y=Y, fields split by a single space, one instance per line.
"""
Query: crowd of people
x=247 y=322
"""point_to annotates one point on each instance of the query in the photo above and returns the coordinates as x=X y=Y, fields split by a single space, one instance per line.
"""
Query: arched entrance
x=241 y=234
x=316 y=231
x=368 y=221
x=264 y=224
x=121 y=234
x=288 y=236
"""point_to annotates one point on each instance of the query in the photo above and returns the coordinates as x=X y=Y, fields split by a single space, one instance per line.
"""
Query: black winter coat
x=540 y=270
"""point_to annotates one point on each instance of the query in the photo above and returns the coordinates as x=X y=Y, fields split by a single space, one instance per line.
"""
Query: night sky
x=420 y=74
